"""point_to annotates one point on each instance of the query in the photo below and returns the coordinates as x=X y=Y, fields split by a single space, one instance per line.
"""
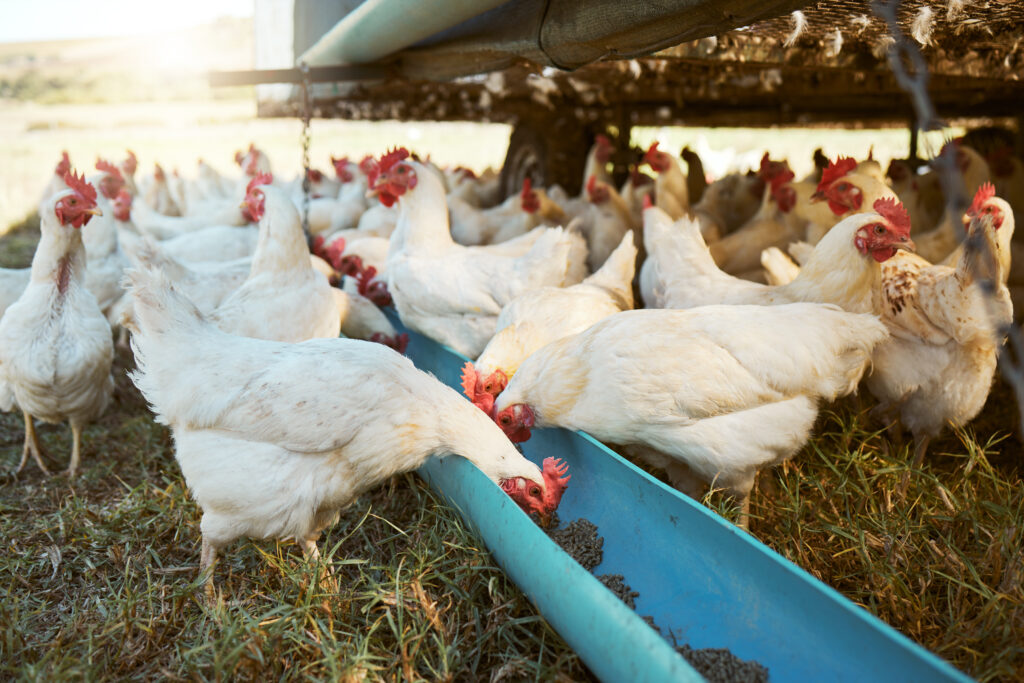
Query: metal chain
x=902 y=53
x=307 y=115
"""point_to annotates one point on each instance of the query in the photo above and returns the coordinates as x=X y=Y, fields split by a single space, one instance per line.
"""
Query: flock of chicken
x=278 y=423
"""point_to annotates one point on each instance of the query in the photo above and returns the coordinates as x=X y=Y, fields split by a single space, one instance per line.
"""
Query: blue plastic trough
x=703 y=580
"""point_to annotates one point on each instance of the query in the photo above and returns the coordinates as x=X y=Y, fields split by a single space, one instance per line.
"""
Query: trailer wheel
x=556 y=155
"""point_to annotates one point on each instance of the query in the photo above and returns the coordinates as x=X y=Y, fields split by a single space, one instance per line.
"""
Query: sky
x=36 y=20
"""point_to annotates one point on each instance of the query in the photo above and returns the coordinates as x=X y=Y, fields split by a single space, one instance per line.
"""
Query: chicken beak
x=545 y=520
x=95 y=211
x=243 y=205
x=818 y=196
x=906 y=244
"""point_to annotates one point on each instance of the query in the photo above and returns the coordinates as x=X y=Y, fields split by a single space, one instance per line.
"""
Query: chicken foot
x=325 y=573
x=31 y=446
x=207 y=558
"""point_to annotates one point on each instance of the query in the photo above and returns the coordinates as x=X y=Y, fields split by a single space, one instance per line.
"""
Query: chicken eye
x=504 y=419
x=535 y=491
x=879 y=229
x=843 y=187
x=72 y=201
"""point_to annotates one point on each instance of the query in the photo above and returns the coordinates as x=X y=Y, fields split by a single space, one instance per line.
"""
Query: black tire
x=547 y=153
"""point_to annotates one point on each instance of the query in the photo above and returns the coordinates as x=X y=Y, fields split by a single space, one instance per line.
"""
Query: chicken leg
x=31 y=446
x=207 y=558
x=921 y=442
x=76 y=448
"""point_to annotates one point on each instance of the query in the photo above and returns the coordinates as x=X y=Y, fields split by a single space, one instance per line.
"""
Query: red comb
x=602 y=140
x=469 y=376
x=986 y=192
x=65 y=164
x=555 y=481
x=836 y=170
x=388 y=161
x=651 y=151
x=158 y=172
x=131 y=163
x=81 y=187
x=470 y=379
x=367 y=164
x=107 y=167
x=894 y=213
x=364 y=278
x=527 y=187
x=261 y=179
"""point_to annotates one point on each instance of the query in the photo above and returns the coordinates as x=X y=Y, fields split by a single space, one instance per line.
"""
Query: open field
x=177 y=133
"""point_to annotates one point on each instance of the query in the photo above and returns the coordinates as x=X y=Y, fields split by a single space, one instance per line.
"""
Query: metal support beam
x=317 y=74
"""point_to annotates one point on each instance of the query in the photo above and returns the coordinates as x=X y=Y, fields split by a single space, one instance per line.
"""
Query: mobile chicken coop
x=560 y=72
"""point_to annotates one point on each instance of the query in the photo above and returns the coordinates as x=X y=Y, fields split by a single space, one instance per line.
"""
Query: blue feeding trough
x=704 y=582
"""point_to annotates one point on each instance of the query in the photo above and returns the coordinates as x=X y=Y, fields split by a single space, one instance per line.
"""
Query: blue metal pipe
x=378 y=28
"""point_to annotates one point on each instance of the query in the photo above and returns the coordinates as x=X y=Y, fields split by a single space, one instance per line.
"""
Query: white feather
x=799 y=26
x=921 y=27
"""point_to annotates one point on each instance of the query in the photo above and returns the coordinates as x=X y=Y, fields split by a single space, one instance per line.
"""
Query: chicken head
x=112 y=180
x=341 y=169
x=842 y=195
x=532 y=497
x=597 y=191
x=516 y=421
x=77 y=208
x=390 y=178
x=658 y=160
x=482 y=390
x=123 y=205
x=882 y=238
x=984 y=206
x=254 y=204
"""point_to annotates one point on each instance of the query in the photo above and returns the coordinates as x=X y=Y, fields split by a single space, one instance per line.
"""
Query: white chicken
x=105 y=259
x=842 y=270
x=55 y=344
x=216 y=243
x=342 y=210
x=266 y=456
x=284 y=298
x=605 y=221
x=449 y=292
x=712 y=394
x=541 y=316
x=670 y=191
x=938 y=366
